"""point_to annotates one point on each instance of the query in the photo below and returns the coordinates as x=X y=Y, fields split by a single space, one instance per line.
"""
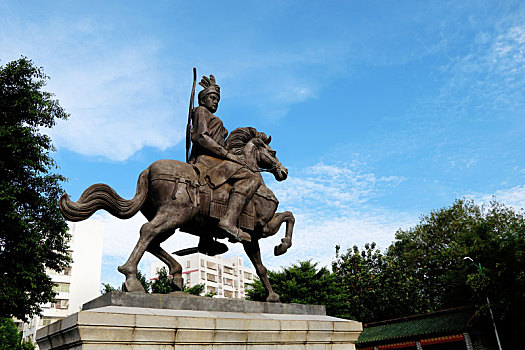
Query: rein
x=258 y=170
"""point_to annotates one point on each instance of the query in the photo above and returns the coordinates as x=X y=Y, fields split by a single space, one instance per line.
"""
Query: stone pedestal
x=115 y=321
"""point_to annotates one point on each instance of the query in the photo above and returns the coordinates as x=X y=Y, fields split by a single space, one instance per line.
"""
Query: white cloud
x=118 y=93
x=513 y=197
x=328 y=187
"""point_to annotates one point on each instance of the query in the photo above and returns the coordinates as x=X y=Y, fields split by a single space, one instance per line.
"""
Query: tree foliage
x=10 y=337
x=302 y=283
x=144 y=281
x=493 y=236
x=163 y=283
x=33 y=233
x=424 y=269
x=197 y=289
x=108 y=288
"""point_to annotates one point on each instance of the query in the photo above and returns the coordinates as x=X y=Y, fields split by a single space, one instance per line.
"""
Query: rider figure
x=208 y=151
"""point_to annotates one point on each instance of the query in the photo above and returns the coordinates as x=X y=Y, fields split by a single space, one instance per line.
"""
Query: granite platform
x=151 y=321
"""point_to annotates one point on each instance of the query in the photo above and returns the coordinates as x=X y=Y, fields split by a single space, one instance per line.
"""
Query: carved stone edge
x=184 y=301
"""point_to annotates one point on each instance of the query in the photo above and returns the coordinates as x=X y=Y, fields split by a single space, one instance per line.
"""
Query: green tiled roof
x=417 y=326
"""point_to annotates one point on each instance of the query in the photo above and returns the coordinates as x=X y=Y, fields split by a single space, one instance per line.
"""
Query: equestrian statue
x=218 y=193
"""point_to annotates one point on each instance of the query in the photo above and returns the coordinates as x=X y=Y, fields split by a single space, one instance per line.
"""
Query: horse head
x=255 y=148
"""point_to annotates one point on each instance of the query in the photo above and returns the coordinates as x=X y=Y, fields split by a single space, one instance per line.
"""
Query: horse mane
x=241 y=136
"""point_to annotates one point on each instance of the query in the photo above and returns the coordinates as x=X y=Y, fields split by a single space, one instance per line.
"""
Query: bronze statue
x=219 y=193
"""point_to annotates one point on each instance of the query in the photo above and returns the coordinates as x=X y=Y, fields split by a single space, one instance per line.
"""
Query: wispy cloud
x=333 y=187
x=513 y=197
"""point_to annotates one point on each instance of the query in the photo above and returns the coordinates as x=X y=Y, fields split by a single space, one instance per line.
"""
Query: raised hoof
x=273 y=298
x=282 y=248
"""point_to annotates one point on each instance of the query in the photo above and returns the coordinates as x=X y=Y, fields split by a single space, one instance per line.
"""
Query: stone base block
x=124 y=327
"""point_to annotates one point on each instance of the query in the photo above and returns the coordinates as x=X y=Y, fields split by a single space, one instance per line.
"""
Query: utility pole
x=478 y=265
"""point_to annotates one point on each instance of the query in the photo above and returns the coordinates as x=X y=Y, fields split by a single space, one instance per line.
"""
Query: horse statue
x=172 y=195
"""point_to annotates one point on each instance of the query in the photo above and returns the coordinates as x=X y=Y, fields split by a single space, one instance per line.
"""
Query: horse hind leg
x=175 y=268
x=254 y=253
x=274 y=225
x=162 y=222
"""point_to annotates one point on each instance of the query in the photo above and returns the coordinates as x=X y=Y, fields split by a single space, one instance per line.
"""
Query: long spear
x=190 y=112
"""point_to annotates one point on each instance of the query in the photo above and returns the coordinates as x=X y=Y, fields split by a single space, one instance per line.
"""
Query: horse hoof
x=279 y=249
x=283 y=247
x=133 y=285
x=125 y=270
x=176 y=284
x=273 y=298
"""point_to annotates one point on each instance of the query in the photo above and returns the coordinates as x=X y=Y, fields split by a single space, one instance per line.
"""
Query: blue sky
x=381 y=110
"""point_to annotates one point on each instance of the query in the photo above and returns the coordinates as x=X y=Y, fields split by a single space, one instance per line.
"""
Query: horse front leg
x=274 y=225
x=254 y=253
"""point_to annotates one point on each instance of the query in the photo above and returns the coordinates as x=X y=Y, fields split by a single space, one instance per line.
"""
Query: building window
x=211 y=278
x=228 y=282
x=202 y=263
x=248 y=275
x=228 y=294
x=212 y=290
x=45 y=320
x=60 y=304
x=188 y=264
x=228 y=270
x=61 y=288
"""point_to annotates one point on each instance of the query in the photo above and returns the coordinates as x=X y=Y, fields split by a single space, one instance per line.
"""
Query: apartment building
x=77 y=284
x=227 y=277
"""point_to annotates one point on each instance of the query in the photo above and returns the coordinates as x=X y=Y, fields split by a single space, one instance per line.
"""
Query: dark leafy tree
x=163 y=282
x=144 y=281
x=433 y=254
x=33 y=233
x=10 y=337
x=197 y=289
x=301 y=283
x=107 y=288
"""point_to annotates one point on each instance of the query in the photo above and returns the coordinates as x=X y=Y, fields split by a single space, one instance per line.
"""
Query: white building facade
x=77 y=284
x=226 y=277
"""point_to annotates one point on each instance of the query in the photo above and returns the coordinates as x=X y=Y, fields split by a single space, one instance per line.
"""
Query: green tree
x=433 y=253
x=197 y=289
x=107 y=288
x=10 y=337
x=301 y=283
x=33 y=233
x=163 y=282
x=144 y=281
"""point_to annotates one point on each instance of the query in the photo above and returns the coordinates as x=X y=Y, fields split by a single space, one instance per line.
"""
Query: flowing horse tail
x=101 y=196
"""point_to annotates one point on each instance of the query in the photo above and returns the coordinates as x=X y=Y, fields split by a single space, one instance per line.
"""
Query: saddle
x=213 y=202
